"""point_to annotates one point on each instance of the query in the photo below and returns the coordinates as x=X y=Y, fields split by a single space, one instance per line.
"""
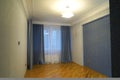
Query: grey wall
x=97 y=51
x=13 y=28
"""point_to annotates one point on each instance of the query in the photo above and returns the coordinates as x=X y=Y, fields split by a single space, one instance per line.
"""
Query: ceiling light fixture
x=74 y=6
x=67 y=13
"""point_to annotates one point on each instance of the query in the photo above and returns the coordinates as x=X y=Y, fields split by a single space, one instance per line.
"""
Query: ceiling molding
x=22 y=5
x=26 y=6
x=95 y=13
x=50 y=23
x=29 y=4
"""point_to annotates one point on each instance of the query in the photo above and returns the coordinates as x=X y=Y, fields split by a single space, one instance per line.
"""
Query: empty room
x=59 y=39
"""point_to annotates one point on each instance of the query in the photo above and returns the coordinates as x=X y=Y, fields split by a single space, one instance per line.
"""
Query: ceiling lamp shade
x=67 y=14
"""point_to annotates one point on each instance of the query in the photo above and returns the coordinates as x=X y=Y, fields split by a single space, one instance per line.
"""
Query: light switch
x=18 y=42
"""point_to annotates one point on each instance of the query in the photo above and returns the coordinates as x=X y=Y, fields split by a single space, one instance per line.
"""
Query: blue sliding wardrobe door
x=97 y=48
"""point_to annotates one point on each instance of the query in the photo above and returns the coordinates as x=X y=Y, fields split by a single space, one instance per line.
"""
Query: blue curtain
x=38 y=44
x=29 y=45
x=66 y=44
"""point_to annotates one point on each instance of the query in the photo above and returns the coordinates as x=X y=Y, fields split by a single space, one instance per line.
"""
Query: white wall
x=49 y=23
x=77 y=32
x=77 y=44
x=13 y=28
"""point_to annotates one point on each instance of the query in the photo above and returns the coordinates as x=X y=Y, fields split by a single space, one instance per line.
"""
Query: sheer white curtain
x=52 y=44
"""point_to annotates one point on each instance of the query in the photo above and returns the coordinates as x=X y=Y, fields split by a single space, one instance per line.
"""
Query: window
x=52 y=43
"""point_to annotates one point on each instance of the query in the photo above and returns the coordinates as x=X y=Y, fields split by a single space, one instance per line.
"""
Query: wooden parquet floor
x=62 y=70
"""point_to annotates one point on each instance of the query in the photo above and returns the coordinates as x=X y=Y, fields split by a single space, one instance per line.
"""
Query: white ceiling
x=47 y=10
